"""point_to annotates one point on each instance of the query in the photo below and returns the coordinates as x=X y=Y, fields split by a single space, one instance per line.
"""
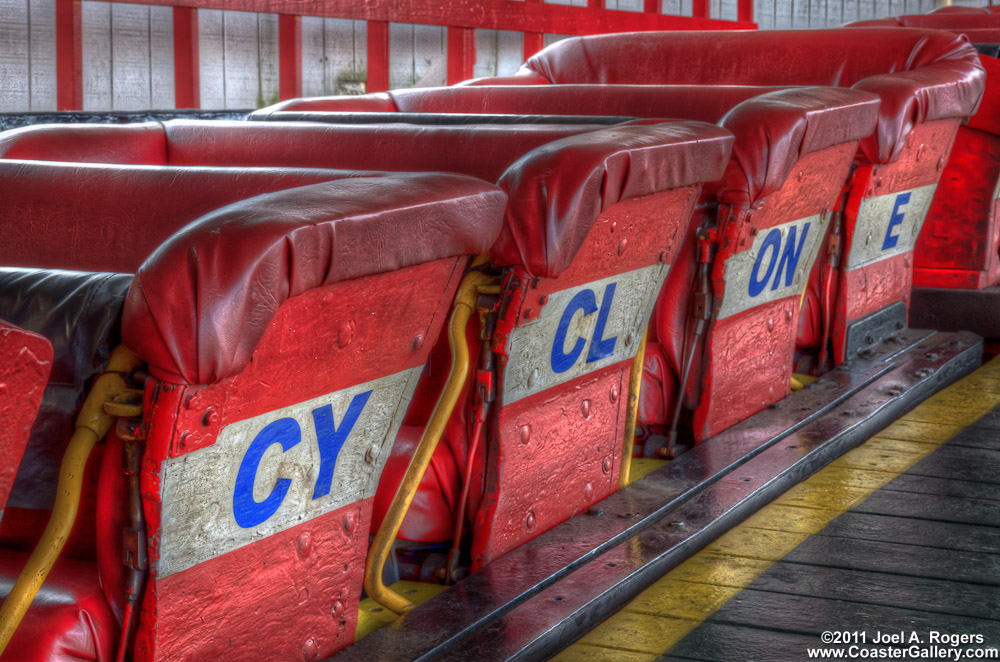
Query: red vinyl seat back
x=140 y=207
x=282 y=307
x=921 y=75
x=960 y=245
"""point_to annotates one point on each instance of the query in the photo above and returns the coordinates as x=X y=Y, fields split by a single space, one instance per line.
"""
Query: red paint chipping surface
x=273 y=597
x=25 y=363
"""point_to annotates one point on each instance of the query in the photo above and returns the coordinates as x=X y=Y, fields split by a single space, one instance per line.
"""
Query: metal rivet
x=345 y=334
x=802 y=175
x=788 y=315
x=310 y=649
x=613 y=394
x=529 y=521
x=906 y=261
x=614 y=225
x=304 y=544
x=418 y=341
x=606 y=465
x=348 y=523
x=585 y=408
x=184 y=441
x=211 y=417
x=532 y=378
x=542 y=300
x=525 y=434
x=371 y=454
x=588 y=492
x=770 y=324
x=303 y=596
x=940 y=164
x=622 y=245
x=662 y=258
x=338 y=610
x=628 y=339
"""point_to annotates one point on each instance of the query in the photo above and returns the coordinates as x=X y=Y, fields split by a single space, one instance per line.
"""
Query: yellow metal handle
x=91 y=426
x=634 y=384
x=465 y=306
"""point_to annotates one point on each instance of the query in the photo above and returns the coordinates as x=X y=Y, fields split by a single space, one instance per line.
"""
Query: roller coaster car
x=593 y=224
x=956 y=275
x=762 y=226
x=270 y=373
x=597 y=217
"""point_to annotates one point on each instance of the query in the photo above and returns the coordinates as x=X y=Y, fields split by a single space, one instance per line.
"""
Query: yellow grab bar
x=634 y=384
x=465 y=306
x=91 y=426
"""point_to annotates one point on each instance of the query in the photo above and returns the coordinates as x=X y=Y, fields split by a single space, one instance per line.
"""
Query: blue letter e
x=249 y=512
x=894 y=220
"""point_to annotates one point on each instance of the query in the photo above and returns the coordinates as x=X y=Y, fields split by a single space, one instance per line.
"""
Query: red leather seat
x=960 y=245
x=776 y=130
x=68 y=621
x=198 y=312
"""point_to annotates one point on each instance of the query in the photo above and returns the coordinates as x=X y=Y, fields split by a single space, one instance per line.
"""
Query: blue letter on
x=601 y=347
x=894 y=220
x=248 y=511
x=331 y=438
x=790 y=257
x=773 y=243
x=561 y=361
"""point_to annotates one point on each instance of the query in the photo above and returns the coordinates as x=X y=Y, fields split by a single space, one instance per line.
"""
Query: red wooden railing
x=462 y=17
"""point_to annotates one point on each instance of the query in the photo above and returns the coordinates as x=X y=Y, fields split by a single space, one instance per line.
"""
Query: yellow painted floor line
x=682 y=599
x=372 y=616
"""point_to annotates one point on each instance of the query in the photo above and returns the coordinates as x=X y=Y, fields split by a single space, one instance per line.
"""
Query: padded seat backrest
x=79 y=314
x=111 y=217
x=576 y=171
x=920 y=75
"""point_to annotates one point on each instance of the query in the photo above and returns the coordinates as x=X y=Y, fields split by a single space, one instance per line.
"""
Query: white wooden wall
x=128 y=50
x=128 y=56
x=27 y=55
x=238 y=54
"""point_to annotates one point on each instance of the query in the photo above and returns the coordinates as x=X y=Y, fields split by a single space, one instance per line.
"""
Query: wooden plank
x=430 y=55
x=863 y=587
x=941 y=466
x=162 y=94
x=401 y=56
x=15 y=95
x=813 y=616
x=538 y=17
x=922 y=533
x=932 y=506
x=642 y=633
x=131 y=85
x=42 y=55
x=211 y=60
x=726 y=643
x=98 y=86
x=268 y=76
x=590 y=653
x=898 y=559
x=241 y=61
x=314 y=64
x=945 y=487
